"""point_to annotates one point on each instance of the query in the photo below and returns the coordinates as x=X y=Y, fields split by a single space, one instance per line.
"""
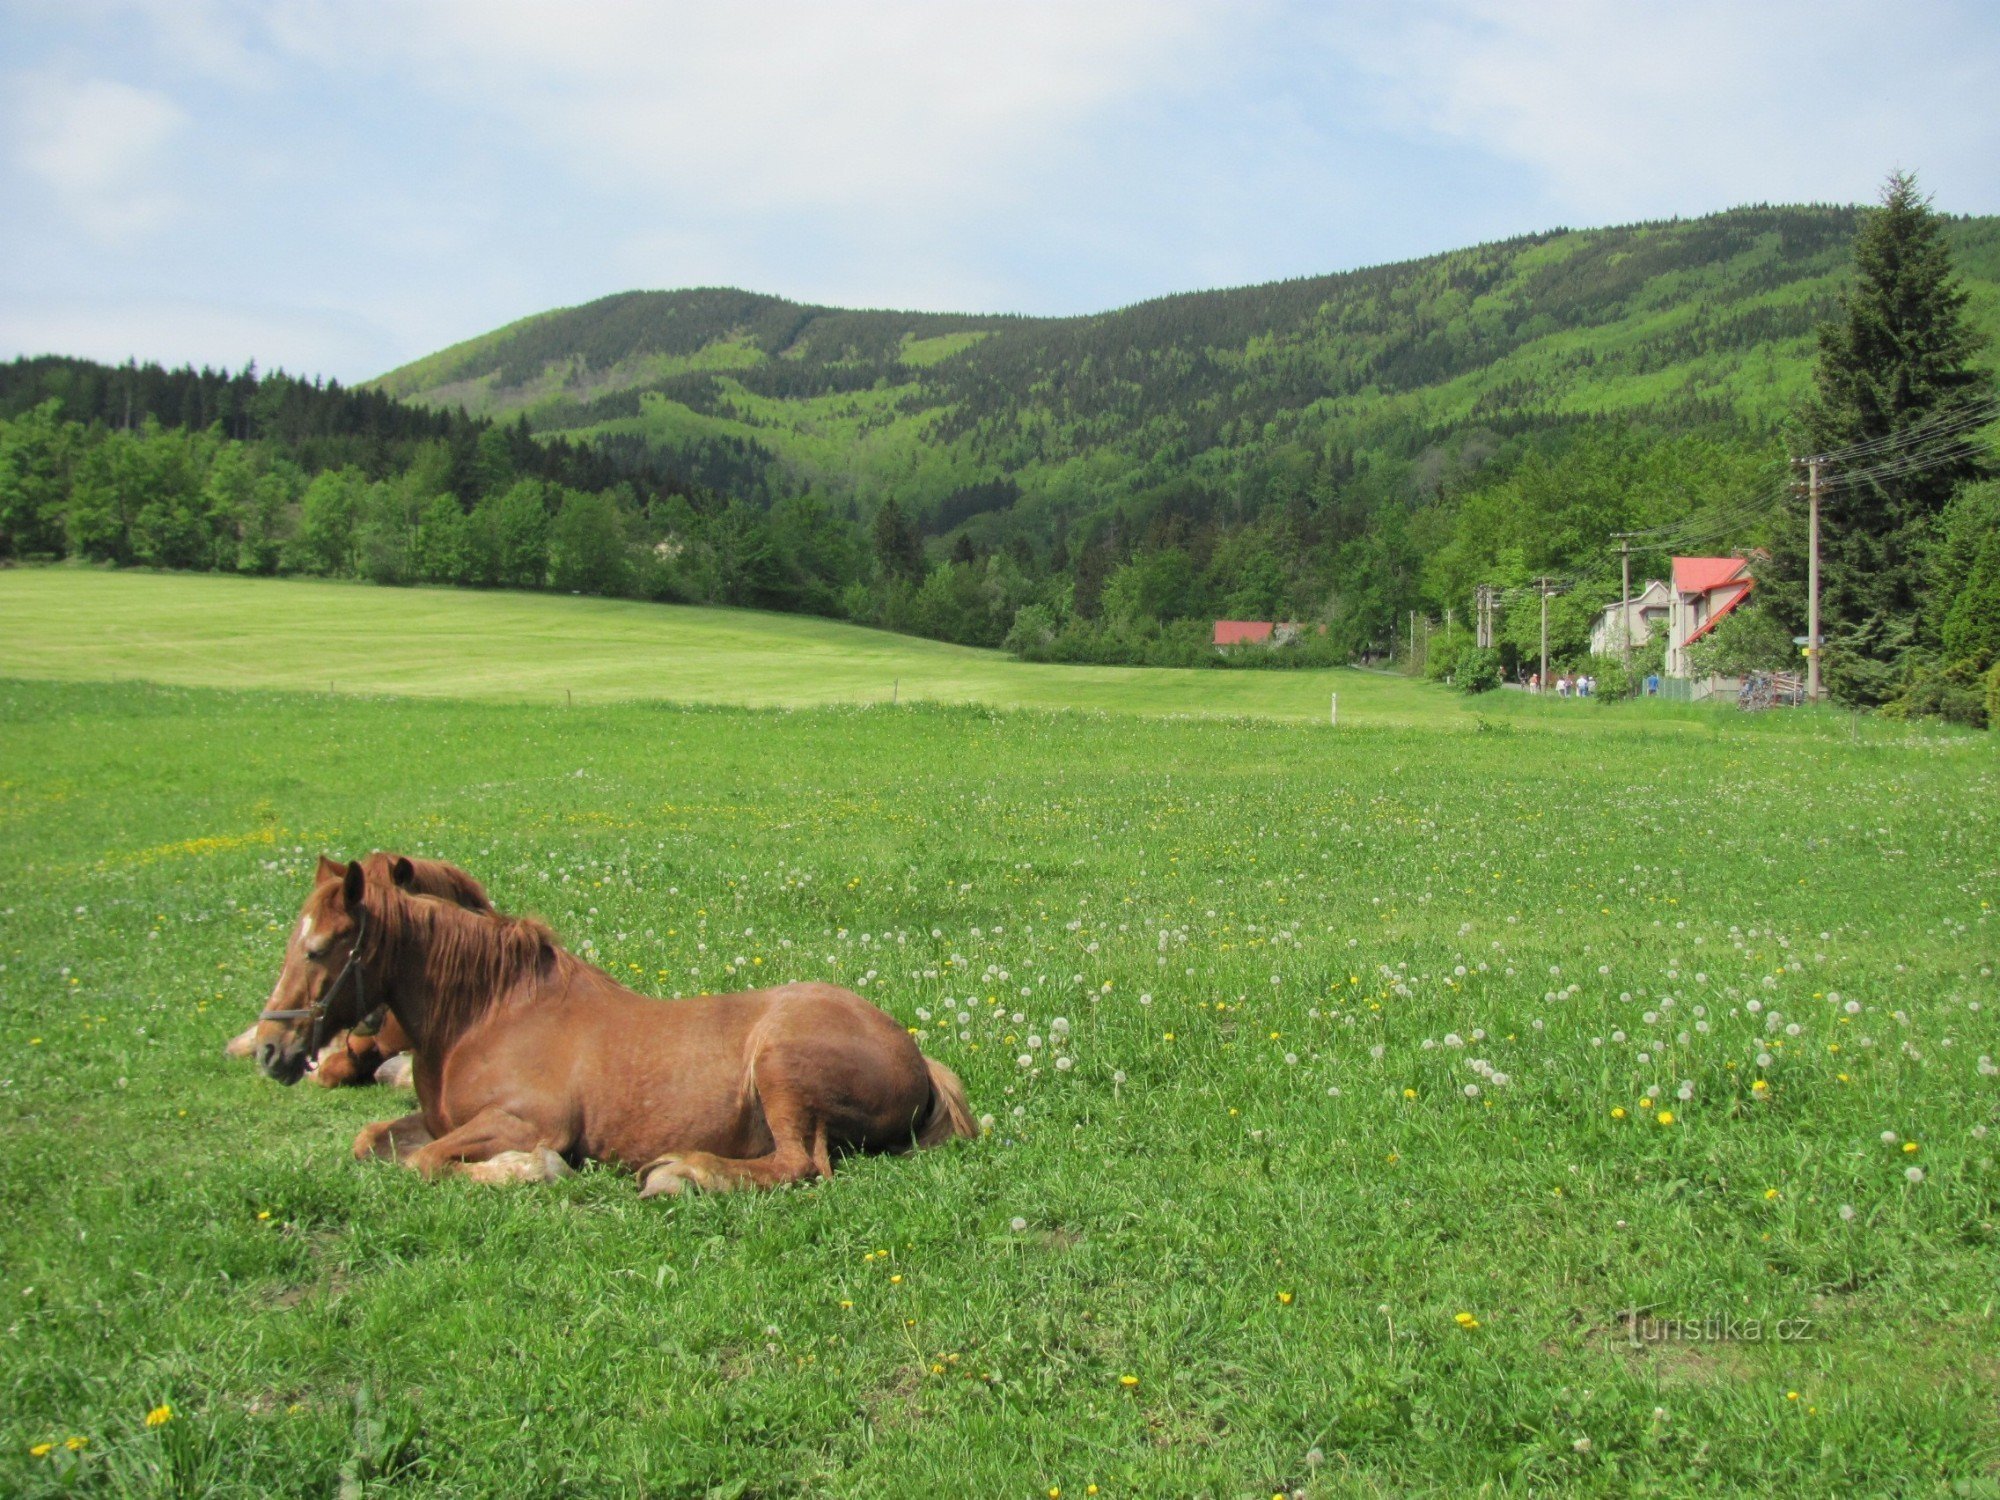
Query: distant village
x=1702 y=593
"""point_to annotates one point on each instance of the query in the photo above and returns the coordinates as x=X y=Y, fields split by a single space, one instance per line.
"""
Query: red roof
x=1697 y=575
x=1710 y=575
x=1241 y=632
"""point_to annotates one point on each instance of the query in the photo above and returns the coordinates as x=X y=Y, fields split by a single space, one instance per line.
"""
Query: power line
x=1978 y=414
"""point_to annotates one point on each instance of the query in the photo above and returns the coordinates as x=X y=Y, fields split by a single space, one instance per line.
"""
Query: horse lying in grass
x=530 y=1059
x=365 y=1052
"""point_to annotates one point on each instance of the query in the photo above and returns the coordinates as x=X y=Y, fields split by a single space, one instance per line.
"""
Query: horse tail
x=947 y=1117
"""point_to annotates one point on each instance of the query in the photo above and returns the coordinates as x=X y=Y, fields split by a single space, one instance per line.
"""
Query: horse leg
x=492 y=1146
x=798 y=1154
x=392 y=1138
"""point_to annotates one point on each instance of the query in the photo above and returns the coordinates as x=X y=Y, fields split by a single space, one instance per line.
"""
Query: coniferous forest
x=1357 y=452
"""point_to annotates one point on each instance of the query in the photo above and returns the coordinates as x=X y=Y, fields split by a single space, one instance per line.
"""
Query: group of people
x=1566 y=686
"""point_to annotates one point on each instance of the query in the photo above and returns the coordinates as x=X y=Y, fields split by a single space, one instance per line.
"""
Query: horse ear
x=403 y=872
x=353 y=883
x=329 y=869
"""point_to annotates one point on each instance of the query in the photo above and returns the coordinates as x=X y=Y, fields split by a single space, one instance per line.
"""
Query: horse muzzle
x=285 y=1061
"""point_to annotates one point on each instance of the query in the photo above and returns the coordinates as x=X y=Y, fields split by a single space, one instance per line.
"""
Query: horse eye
x=318 y=951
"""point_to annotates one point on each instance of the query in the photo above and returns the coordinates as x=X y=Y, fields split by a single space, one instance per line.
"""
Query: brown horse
x=356 y=1056
x=530 y=1058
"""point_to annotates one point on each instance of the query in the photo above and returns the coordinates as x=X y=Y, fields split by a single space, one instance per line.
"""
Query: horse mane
x=469 y=960
x=431 y=877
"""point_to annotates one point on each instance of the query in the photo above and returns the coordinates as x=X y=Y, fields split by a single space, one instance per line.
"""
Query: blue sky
x=336 y=186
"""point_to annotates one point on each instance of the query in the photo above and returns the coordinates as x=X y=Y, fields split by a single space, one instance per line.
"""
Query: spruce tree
x=1897 y=356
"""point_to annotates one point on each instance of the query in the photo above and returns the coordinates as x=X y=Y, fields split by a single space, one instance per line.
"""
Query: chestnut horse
x=355 y=1056
x=529 y=1059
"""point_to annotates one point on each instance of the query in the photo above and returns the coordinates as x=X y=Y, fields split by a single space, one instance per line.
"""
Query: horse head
x=323 y=987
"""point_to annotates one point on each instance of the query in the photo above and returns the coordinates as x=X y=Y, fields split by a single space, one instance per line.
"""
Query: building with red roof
x=1243 y=632
x=1705 y=589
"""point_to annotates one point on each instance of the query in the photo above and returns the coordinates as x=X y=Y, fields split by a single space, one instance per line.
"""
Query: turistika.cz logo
x=1724 y=1328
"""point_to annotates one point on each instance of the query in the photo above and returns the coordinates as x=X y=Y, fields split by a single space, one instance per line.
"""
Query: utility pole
x=1625 y=602
x=1812 y=580
x=1543 y=585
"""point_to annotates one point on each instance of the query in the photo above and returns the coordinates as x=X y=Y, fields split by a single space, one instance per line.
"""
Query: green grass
x=197 y=629
x=1255 y=931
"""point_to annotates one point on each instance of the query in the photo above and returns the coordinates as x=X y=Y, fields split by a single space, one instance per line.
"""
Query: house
x=1642 y=614
x=1257 y=632
x=1243 y=632
x=1705 y=589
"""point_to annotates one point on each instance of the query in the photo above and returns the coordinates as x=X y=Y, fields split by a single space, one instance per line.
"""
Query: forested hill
x=1041 y=422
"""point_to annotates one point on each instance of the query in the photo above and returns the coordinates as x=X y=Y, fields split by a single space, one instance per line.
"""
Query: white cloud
x=100 y=146
x=1634 y=110
x=867 y=106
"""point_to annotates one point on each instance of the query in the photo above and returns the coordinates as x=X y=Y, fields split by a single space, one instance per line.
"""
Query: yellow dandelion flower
x=1128 y=1381
x=42 y=1450
x=1618 y=1112
x=1759 y=1087
x=1665 y=1117
x=75 y=1444
x=160 y=1415
x=1908 y=1147
x=1645 y=1104
x=896 y=1280
x=1285 y=1299
x=1770 y=1193
x=1409 y=1093
x=1465 y=1320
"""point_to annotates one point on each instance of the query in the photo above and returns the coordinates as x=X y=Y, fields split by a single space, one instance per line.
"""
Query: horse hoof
x=243 y=1044
x=663 y=1183
x=517 y=1166
x=675 y=1174
x=399 y=1072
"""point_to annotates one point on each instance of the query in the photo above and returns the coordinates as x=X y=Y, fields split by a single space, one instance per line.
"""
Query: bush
x=1957 y=692
x=1477 y=670
x=1993 y=696
x=1750 y=639
x=1612 y=683
x=1033 y=629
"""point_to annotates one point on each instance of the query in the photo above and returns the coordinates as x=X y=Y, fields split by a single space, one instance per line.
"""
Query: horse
x=359 y=1055
x=530 y=1060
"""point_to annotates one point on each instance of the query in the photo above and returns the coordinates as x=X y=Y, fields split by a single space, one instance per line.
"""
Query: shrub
x=1957 y=692
x=1478 y=670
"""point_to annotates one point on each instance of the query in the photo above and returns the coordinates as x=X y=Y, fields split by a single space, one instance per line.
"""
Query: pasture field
x=1492 y=1104
x=205 y=630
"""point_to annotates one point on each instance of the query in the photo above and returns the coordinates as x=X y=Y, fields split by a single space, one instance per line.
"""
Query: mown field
x=206 y=630
x=1367 y=1104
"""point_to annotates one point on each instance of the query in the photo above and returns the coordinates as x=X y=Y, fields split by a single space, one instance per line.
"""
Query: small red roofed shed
x=1243 y=632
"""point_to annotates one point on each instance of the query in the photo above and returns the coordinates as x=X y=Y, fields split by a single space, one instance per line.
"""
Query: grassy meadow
x=1513 y=1097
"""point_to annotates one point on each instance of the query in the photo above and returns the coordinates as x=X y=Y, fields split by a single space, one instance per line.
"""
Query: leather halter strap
x=317 y=1013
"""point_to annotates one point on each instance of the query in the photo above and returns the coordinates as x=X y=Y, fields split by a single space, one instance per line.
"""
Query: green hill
x=1688 y=323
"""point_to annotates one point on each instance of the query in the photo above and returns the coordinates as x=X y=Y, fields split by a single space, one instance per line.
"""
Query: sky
x=338 y=186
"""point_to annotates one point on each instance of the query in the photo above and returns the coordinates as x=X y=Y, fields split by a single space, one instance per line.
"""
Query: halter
x=316 y=1013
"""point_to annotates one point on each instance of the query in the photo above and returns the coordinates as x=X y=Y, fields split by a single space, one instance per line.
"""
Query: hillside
x=1690 y=323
